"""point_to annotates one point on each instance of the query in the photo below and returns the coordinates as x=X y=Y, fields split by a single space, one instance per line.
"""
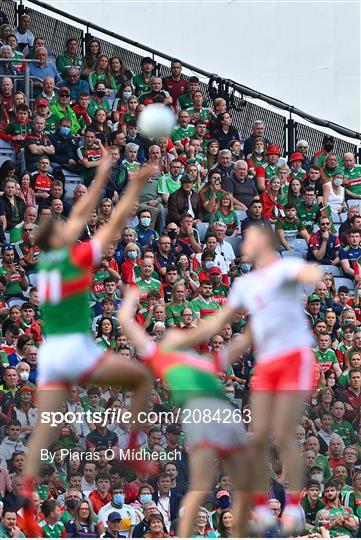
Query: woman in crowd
x=156 y=527
x=188 y=276
x=332 y=382
x=227 y=215
x=14 y=206
x=128 y=236
x=194 y=174
x=329 y=279
x=211 y=193
x=7 y=170
x=132 y=259
x=101 y=127
x=225 y=132
x=294 y=194
x=121 y=105
x=334 y=193
x=19 y=98
x=236 y=150
x=119 y=72
x=257 y=158
x=225 y=524
x=102 y=73
x=26 y=193
x=354 y=361
x=131 y=112
x=92 y=51
x=106 y=334
x=85 y=523
x=178 y=303
x=202 y=528
x=212 y=153
x=325 y=400
x=105 y=211
x=272 y=208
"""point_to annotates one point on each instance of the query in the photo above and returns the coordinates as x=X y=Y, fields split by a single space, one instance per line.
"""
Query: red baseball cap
x=42 y=103
x=273 y=149
x=64 y=89
x=215 y=270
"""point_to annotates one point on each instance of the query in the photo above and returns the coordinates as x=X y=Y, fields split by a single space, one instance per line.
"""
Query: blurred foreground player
x=195 y=386
x=69 y=353
x=285 y=368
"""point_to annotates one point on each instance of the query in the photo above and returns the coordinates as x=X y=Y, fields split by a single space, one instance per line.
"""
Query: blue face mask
x=145 y=498
x=118 y=499
x=224 y=502
x=132 y=254
x=209 y=264
x=145 y=221
x=64 y=130
x=126 y=95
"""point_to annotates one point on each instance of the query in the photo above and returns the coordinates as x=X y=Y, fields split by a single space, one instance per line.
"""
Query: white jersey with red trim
x=273 y=297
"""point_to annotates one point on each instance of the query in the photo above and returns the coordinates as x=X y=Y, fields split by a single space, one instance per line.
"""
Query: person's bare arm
x=133 y=330
x=326 y=194
x=320 y=253
x=280 y=233
x=203 y=332
x=83 y=208
x=124 y=207
x=239 y=345
x=304 y=234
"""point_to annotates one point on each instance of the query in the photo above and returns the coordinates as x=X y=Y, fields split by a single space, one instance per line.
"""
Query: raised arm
x=133 y=330
x=203 y=332
x=124 y=207
x=82 y=209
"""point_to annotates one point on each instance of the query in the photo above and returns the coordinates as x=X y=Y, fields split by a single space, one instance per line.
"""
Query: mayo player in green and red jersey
x=69 y=355
x=211 y=429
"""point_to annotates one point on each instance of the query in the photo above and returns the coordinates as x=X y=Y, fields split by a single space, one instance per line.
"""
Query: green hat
x=338 y=171
x=314 y=298
x=186 y=180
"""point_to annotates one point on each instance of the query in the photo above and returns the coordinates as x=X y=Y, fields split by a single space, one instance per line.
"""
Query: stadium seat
x=202 y=230
x=6 y=151
x=235 y=242
x=308 y=289
x=241 y=215
x=301 y=246
x=340 y=281
x=354 y=202
x=331 y=269
x=286 y=254
x=339 y=218
x=71 y=181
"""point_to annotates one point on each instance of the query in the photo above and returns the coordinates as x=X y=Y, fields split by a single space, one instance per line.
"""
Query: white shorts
x=210 y=422
x=64 y=360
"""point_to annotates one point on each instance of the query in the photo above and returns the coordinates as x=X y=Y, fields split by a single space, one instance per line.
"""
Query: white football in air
x=156 y=120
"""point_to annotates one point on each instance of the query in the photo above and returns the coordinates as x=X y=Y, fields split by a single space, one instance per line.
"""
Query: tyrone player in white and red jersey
x=285 y=372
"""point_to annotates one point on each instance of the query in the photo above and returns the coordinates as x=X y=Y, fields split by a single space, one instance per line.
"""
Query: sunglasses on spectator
x=64 y=95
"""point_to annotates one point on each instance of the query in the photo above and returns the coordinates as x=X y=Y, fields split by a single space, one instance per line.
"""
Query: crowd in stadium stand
x=181 y=248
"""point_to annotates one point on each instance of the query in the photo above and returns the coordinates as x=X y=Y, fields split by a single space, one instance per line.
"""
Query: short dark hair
x=49 y=506
x=289 y=206
x=343 y=289
x=102 y=476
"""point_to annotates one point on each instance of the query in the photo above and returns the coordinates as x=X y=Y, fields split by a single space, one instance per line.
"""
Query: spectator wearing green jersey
x=102 y=73
x=340 y=426
x=186 y=99
x=99 y=100
x=176 y=307
x=51 y=525
x=289 y=228
x=343 y=522
x=141 y=81
x=8 y=526
x=70 y=58
x=326 y=356
x=308 y=211
x=182 y=132
x=352 y=176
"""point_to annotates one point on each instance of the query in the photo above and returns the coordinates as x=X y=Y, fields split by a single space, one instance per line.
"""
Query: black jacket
x=174 y=503
x=11 y=217
x=65 y=148
x=178 y=205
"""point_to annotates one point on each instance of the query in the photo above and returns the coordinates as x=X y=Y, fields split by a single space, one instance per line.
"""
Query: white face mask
x=24 y=376
x=338 y=182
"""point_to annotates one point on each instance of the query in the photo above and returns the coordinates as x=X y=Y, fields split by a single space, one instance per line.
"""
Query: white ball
x=156 y=120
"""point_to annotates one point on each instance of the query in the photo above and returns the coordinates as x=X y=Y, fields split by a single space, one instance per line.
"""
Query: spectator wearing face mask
x=117 y=504
x=223 y=501
x=66 y=145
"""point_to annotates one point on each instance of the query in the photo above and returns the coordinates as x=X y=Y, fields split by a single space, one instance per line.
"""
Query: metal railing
x=281 y=125
x=25 y=75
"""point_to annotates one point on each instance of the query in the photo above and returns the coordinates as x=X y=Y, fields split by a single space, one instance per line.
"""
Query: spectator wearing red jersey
x=41 y=180
x=28 y=323
x=174 y=84
x=269 y=168
x=132 y=258
x=272 y=207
